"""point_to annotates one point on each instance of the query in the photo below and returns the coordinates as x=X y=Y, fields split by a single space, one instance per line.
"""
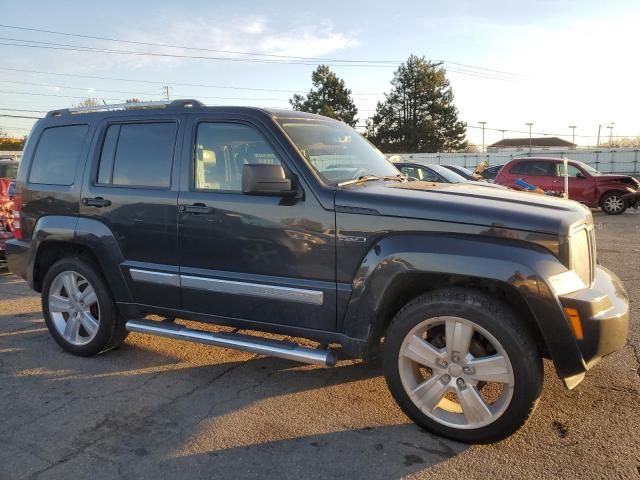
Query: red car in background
x=613 y=193
x=8 y=170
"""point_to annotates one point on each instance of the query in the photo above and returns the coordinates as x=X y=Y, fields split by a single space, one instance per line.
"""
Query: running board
x=281 y=349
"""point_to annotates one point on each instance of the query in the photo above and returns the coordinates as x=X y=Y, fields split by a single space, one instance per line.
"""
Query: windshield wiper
x=360 y=179
x=369 y=178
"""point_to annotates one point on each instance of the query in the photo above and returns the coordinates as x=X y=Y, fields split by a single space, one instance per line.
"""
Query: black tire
x=499 y=321
x=606 y=203
x=111 y=327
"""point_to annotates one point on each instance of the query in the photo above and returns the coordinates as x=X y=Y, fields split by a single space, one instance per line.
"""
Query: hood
x=613 y=177
x=465 y=203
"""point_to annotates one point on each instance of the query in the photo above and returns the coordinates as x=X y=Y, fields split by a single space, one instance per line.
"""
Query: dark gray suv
x=285 y=222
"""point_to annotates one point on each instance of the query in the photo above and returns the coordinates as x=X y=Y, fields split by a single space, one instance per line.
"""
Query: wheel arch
x=399 y=268
x=55 y=237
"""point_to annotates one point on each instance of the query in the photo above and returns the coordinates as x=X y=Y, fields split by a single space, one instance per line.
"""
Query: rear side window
x=57 y=155
x=138 y=155
x=534 y=168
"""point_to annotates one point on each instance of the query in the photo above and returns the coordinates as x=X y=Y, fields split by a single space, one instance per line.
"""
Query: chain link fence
x=607 y=161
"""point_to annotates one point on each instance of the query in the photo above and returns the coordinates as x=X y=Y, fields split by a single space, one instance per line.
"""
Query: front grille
x=583 y=253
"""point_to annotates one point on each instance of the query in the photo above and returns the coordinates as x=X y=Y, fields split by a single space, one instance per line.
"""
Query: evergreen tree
x=418 y=115
x=329 y=97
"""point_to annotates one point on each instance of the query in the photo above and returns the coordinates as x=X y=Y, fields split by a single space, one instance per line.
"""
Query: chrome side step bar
x=281 y=349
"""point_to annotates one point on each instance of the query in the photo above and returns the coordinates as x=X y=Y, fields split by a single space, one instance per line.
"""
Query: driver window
x=571 y=170
x=221 y=151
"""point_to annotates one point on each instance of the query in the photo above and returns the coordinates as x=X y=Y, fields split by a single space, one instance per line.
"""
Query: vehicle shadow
x=153 y=410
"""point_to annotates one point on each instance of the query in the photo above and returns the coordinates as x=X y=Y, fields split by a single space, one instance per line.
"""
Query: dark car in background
x=437 y=173
x=8 y=172
x=464 y=172
x=490 y=173
x=612 y=193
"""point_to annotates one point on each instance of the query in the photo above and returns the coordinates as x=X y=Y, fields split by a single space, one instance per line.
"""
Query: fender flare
x=87 y=233
x=521 y=266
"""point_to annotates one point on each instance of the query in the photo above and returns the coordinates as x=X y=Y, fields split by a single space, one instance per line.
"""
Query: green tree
x=329 y=97
x=418 y=115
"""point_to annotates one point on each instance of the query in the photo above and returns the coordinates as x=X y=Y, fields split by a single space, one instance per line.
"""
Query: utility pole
x=502 y=133
x=573 y=135
x=598 y=141
x=165 y=89
x=483 y=124
x=610 y=127
x=530 y=125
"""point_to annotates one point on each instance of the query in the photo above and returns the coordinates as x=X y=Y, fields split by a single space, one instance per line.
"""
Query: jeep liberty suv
x=291 y=223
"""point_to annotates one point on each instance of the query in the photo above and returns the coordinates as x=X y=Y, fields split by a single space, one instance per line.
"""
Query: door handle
x=96 y=202
x=197 y=208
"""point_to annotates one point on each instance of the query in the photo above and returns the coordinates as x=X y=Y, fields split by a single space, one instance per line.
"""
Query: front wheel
x=613 y=204
x=460 y=364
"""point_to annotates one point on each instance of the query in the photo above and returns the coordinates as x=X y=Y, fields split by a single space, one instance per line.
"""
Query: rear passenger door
x=133 y=189
x=538 y=173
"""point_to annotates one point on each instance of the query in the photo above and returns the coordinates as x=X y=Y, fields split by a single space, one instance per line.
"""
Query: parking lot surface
x=158 y=408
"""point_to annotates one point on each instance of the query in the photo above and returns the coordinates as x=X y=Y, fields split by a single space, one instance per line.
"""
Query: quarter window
x=221 y=151
x=138 y=155
x=57 y=154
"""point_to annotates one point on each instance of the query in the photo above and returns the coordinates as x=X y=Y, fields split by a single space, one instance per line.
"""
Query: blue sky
x=567 y=62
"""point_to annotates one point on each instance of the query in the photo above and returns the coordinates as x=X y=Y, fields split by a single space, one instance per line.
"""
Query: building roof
x=535 y=142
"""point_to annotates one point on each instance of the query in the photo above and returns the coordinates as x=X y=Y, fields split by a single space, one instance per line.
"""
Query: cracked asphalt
x=158 y=408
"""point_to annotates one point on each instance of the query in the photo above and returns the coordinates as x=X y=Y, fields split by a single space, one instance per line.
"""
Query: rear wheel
x=78 y=309
x=612 y=203
x=461 y=365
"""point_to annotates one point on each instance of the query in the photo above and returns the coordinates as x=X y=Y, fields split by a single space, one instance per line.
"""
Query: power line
x=234 y=52
x=80 y=48
x=22 y=110
x=18 y=116
x=94 y=92
x=181 y=84
x=88 y=90
x=202 y=49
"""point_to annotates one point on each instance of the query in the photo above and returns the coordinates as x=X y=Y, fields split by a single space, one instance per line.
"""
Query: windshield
x=449 y=175
x=592 y=171
x=336 y=151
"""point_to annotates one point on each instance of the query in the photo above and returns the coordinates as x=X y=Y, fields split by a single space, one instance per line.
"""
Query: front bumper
x=632 y=198
x=604 y=316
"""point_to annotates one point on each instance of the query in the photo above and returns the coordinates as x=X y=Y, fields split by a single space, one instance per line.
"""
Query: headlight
x=582 y=253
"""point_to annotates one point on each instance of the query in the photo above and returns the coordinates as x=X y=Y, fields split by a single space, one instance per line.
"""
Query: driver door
x=264 y=259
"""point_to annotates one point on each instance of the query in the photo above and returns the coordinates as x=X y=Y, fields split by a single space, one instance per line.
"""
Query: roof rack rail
x=182 y=103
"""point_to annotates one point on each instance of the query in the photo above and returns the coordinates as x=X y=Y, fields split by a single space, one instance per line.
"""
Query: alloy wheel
x=613 y=204
x=456 y=372
x=74 y=308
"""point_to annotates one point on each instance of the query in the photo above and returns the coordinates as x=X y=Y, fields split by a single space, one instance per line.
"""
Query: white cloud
x=225 y=36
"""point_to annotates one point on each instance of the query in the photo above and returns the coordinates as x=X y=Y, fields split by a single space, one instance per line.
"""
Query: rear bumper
x=4 y=237
x=18 y=257
x=604 y=316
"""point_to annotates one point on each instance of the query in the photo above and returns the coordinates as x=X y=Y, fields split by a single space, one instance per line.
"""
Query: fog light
x=574 y=322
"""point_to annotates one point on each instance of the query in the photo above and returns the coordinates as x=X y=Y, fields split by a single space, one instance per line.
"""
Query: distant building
x=537 y=143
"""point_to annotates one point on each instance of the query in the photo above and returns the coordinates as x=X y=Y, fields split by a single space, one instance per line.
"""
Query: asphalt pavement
x=163 y=409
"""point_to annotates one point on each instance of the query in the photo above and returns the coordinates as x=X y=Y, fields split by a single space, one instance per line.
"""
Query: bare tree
x=88 y=102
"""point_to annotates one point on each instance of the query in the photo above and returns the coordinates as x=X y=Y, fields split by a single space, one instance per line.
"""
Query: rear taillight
x=17 y=219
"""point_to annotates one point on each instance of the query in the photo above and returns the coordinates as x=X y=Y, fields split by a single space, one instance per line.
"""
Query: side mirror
x=580 y=175
x=265 y=180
